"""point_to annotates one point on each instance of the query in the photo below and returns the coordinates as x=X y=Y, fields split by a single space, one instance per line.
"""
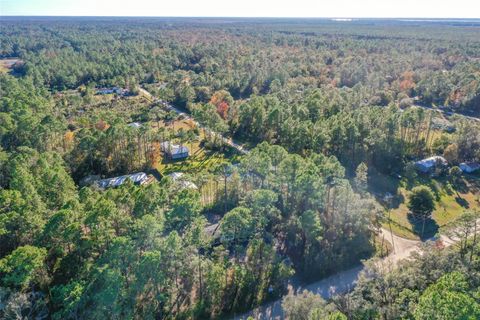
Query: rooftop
x=179 y=180
x=173 y=148
x=432 y=161
x=137 y=178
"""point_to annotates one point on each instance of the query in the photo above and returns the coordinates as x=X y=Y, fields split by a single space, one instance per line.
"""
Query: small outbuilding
x=136 y=125
x=179 y=179
x=469 y=167
x=173 y=151
x=429 y=164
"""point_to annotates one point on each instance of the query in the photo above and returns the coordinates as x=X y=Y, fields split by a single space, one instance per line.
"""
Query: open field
x=451 y=202
x=199 y=160
x=7 y=64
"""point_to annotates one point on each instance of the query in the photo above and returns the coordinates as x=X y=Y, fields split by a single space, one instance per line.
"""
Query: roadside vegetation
x=440 y=284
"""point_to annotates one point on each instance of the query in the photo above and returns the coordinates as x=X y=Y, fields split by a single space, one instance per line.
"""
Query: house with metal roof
x=174 y=151
x=137 y=178
x=469 y=167
x=429 y=164
x=116 y=90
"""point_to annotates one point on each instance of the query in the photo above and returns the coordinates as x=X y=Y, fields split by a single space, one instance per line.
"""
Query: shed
x=179 y=179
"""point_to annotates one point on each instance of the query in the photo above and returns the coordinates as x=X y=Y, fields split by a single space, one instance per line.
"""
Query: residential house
x=469 y=167
x=429 y=164
x=105 y=91
x=137 y=178
x=116 y=90
x=174 y=151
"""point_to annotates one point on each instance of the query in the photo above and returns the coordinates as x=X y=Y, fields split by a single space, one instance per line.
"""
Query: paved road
x=338 y=283
x=169 y=106
x=344 y=281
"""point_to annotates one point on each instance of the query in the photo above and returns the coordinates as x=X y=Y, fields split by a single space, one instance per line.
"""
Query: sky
x=247 y=8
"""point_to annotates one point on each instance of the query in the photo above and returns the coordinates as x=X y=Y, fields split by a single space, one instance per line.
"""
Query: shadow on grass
x=461 y=186
x=464 y=203
x=425 y=229
x=379 y=183
x=396 y=201
x=473 y=181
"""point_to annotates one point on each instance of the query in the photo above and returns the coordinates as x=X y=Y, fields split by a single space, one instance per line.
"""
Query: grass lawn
x=199 y=160
x=451 y=202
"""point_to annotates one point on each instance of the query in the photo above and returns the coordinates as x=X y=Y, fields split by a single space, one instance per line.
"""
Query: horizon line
x=240 y=17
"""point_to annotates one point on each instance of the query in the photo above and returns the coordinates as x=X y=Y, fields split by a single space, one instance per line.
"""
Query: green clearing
x=6 y=65
x=200 y=159
x=451 y=202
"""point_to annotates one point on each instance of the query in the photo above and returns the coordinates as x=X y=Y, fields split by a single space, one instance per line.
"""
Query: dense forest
x=321 y=106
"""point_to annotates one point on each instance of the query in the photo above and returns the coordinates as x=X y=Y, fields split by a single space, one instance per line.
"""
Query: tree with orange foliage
x=407 y=82
x=68 y=139
x=222 y=109
x=222 y=100
x=101 y=125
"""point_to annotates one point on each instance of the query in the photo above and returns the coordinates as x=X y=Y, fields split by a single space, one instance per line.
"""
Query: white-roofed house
x=137 y=178
x=174 y=151
x=429 y=164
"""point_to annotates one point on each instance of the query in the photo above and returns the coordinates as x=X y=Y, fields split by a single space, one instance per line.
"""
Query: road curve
x=344 y=281
x=340 y=282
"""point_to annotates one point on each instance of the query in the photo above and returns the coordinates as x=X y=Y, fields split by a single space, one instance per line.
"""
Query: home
x=135 y=125
x=137 y=178
x=174 y=151
x=104 y=91
x=469 y=167
x=429 y=164
x=179 y=179
x=116 y=90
